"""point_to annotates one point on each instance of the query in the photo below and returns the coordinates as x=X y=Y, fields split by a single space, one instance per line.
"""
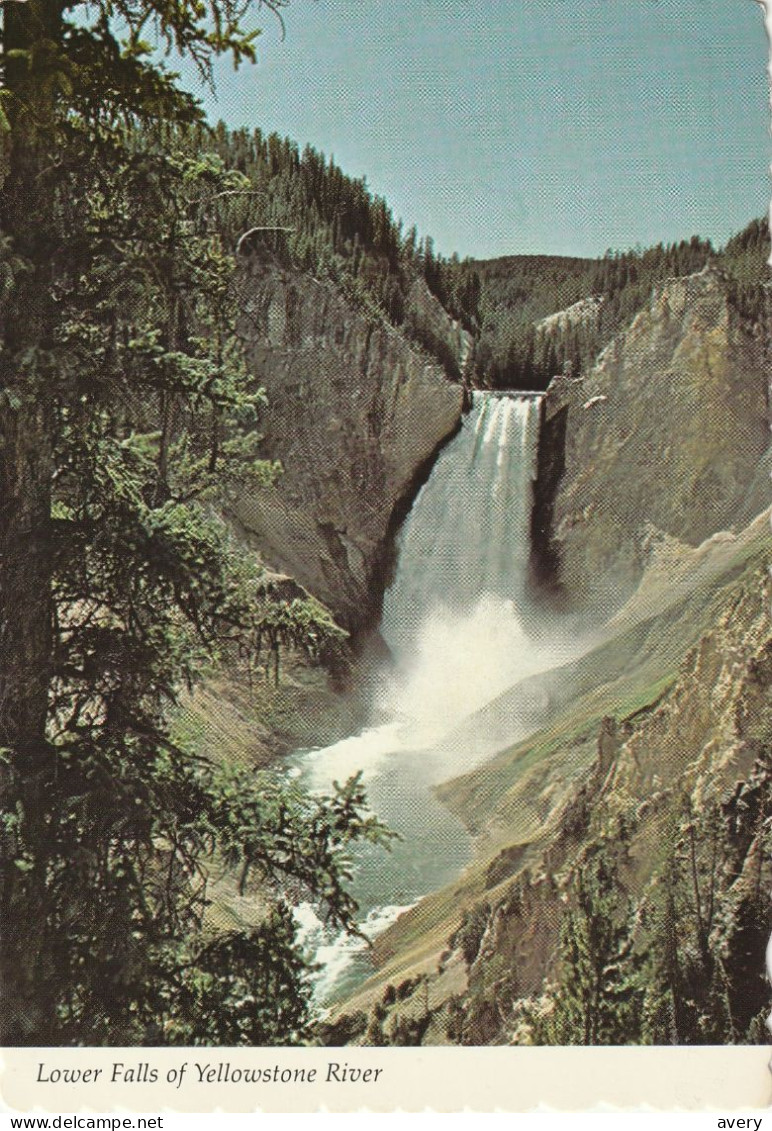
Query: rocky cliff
x=356 y=412
x=693 y=751
x=673 y=778
x=666 y=433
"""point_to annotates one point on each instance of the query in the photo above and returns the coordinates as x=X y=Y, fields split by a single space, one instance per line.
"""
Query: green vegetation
x=597 y=999
x=684 y=963
x=745 y=260
x=309 y=214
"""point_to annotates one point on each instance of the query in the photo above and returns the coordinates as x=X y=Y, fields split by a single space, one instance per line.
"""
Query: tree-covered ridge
x=311 y=214
x=517 y=294
x=515 y=350
x=517 y=347
x=745 y=259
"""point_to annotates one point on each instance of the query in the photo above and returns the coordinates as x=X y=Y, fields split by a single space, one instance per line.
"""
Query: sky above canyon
x=514 y=126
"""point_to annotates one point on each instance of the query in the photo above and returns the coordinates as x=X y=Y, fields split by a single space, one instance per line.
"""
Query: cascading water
x=454 y=620
x=469 y=528
x=453 y=617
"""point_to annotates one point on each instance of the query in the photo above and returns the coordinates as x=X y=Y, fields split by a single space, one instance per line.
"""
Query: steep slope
x=692 y=751
x=356 y=414
x=666 y=434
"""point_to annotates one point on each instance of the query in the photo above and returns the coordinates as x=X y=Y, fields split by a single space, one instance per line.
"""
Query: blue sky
x=510 y=126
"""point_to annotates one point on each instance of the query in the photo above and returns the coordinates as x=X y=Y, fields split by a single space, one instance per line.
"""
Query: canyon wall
x=356 y=413
x=666 y=435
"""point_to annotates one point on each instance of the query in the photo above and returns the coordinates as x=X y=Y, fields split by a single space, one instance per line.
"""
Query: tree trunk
x=25 y=664
x=26 y=566
x=25 y=577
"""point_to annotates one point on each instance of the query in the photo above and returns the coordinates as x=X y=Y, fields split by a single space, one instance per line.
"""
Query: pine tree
x=709 y=926
x=597 y=998
x=125 y=406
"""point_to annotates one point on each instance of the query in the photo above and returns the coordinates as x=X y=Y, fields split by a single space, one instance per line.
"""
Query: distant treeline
x=314 y=216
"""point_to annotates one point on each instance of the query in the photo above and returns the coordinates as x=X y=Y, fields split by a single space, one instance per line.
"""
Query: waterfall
x=454 y=617
x=455 y=622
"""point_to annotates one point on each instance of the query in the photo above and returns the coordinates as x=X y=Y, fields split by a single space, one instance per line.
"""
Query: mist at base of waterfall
x=461 y=662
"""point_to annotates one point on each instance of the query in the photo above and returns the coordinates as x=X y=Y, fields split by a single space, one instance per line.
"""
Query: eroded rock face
x=703 y=741
x=355 y=415
x=670 y=429
x=430 y=323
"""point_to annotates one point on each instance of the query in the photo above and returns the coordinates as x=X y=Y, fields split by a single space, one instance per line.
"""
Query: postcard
x=385 y=637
